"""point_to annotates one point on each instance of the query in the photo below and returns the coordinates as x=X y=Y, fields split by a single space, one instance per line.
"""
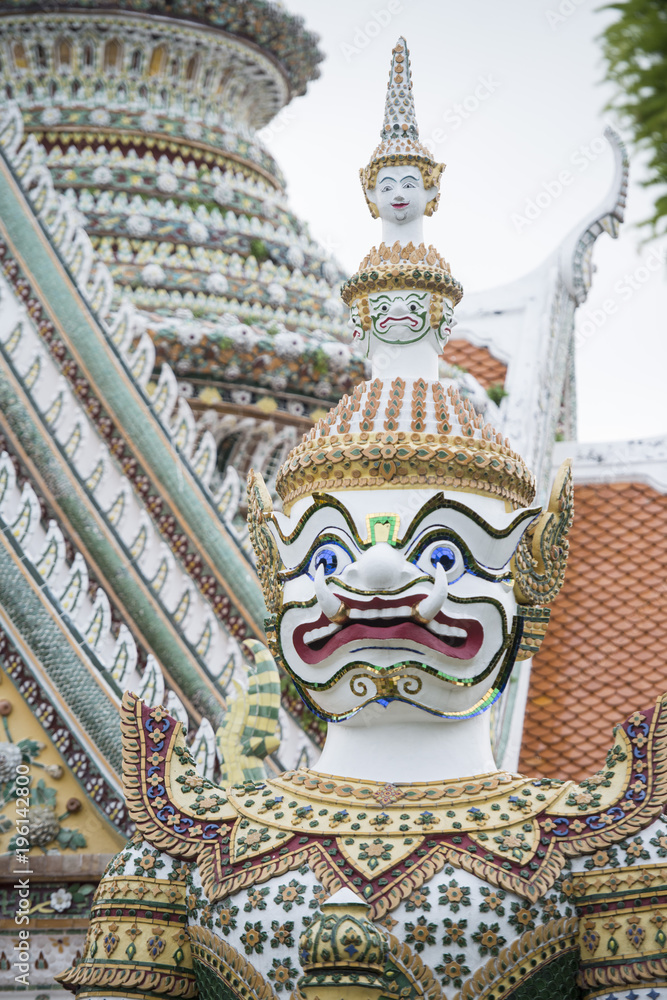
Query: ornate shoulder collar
x=173 y=807
x=383 y=841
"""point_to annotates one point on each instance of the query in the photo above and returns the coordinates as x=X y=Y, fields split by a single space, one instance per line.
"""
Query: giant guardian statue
x=406 y=568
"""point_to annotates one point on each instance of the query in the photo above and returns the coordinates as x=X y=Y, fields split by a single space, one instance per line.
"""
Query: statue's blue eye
x=443 y=556
x=328 y=559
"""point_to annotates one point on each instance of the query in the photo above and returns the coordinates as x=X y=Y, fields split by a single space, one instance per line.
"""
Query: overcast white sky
x=536 y=67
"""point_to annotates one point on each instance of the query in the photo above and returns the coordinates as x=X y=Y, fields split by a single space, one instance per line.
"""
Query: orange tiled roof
x=476 y=360
x=605 y=652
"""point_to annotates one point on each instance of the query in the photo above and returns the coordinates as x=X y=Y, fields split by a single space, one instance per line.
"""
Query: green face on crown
x=399 y=317
x=387 y=322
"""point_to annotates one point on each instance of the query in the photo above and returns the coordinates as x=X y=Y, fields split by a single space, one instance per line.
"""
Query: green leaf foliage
x=44 y=796
x=30 y=749
x=70 y=839
x=496 y=393
x=635 y=48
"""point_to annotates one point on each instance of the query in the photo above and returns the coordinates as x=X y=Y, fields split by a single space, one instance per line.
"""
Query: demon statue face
x=397 y=318
x=407 y=596
x=380 y=604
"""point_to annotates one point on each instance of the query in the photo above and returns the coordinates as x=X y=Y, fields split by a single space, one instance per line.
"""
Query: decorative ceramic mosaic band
x=126 y=455
x=327 y=959
x=226 y=964
x=541 y=557
x=518 y=964
x=212 y=143
x=262 y=829
x=99 y=788
x=401 y=461
x=399 y=276
x=622 y=928
x=88 y=981
x=137 y=938
x=268 y=26
x=398 y=252
x=269 y=562
x=535 y=622
x=410 y=966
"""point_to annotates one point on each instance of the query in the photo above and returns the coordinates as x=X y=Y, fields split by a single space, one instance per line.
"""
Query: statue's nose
x=380 y=568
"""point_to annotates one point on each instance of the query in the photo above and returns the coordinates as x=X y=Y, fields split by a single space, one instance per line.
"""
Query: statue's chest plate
x=385 y=841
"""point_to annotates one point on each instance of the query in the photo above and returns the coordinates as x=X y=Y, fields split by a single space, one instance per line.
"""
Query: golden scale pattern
x=397 y=268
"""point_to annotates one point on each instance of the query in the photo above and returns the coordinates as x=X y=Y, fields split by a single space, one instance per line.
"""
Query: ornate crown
x=400 y=267
x=381 y=436
x=399 y=138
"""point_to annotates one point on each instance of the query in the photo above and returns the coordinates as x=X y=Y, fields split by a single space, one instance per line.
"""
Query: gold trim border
x=220 y=958
x=401 y=460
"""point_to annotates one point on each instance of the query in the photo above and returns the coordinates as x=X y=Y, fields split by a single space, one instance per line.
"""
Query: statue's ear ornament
x=269 y=563
x=534 y=623
x=541 y=557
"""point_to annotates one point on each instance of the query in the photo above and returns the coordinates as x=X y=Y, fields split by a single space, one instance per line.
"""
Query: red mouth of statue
x=460 y=638
x=400 y=204
x=408 y=319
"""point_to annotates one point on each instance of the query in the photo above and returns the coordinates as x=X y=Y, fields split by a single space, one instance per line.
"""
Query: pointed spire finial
x=399 y=137
x=399 y=110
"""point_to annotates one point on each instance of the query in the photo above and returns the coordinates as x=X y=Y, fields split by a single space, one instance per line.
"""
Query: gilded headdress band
x=387 y=269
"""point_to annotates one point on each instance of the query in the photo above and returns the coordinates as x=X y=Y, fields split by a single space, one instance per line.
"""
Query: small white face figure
x=358 y=332
x=398 y=596
x=399 y=194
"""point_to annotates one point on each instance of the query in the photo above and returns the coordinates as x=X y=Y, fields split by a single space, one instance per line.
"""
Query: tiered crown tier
x=405 y=434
